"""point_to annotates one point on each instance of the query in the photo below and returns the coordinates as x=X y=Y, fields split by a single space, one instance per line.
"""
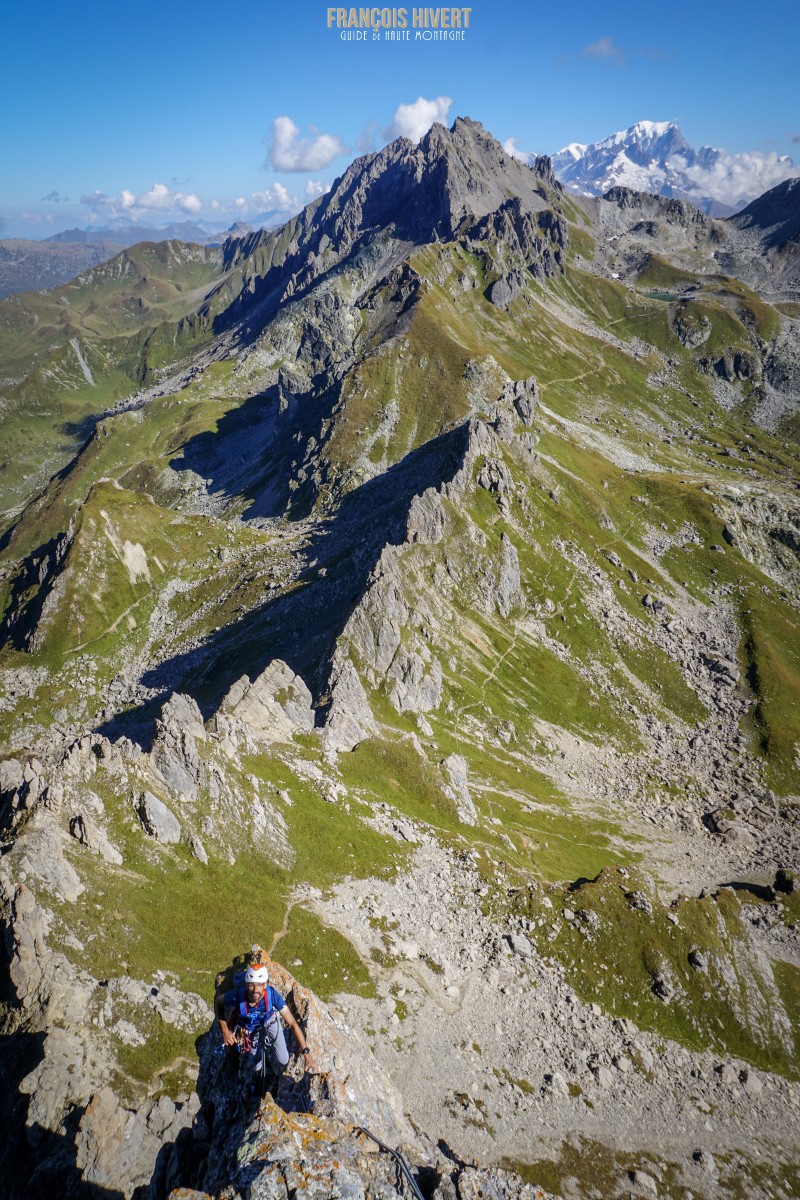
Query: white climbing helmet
x=256 y=973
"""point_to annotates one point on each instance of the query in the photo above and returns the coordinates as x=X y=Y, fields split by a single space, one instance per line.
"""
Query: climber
x=257 y=1012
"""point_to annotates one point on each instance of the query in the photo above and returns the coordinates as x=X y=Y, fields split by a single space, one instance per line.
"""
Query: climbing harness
x=242 y=1042
x=401 y=1162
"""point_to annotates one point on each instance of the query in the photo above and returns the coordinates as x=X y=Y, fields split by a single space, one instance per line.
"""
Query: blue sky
x=107 y=100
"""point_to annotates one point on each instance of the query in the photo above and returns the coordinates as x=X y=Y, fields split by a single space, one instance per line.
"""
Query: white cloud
x=95 y=199
x=315 y=187
x=289 y=152
x=736 y=178
x=510 y=146
x=414 y=120
x=56 y=197
x=277 y=197
x=159 y=198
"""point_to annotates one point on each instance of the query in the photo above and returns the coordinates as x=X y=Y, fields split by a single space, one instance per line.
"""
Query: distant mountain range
x=28 y=265
x=654 y=156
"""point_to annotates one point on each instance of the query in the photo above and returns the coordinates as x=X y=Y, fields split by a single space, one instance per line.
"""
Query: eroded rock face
x=114 y=1143
x=350 y=718
x=274 y=706
x=416 y=688
x=305 y=1157
x=175 y=754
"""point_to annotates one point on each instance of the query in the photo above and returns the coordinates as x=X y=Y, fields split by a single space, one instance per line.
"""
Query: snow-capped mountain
x=654 y=156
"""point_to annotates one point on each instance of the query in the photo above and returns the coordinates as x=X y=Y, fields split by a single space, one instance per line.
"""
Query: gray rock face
x=374 y=627
x=495 y=476
x=274 y=706
x=425 y=519
x=174 y=752
x=509 y=589
x=158 y=820
x=524 y=395
x=114 y=1143
x=415 y=689
x=39 y=857
x=301 y=1157
x=90 y=834
x=534 y=241
x=455 y=769
x=350 y=718
x=11 y=776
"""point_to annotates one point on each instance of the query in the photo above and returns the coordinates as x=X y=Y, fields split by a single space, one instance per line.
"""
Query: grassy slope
x=108 y=310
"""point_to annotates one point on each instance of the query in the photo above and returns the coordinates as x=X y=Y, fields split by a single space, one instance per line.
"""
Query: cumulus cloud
x=738 y=178
x=274 y=199
x=158 y=198
x=276 y=196
x=794 y=138
x=289 y=151
x=56 y=197
x=414 y=120
x=510 y=146
x=315 y=187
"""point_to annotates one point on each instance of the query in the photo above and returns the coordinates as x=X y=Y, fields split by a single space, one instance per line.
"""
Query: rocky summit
x=412 y=590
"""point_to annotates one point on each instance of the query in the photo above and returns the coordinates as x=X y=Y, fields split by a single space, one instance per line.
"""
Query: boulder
x=508 y=594
x=158 y=820
x=88 y=833
x=506 y=289
x=198 y=849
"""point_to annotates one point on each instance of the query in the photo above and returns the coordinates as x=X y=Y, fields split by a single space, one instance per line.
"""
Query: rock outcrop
x=275 y=706
x=175 y=754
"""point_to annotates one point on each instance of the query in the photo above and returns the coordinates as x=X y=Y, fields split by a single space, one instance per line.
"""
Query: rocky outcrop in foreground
x=312 y=1138
x=299 y=1155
